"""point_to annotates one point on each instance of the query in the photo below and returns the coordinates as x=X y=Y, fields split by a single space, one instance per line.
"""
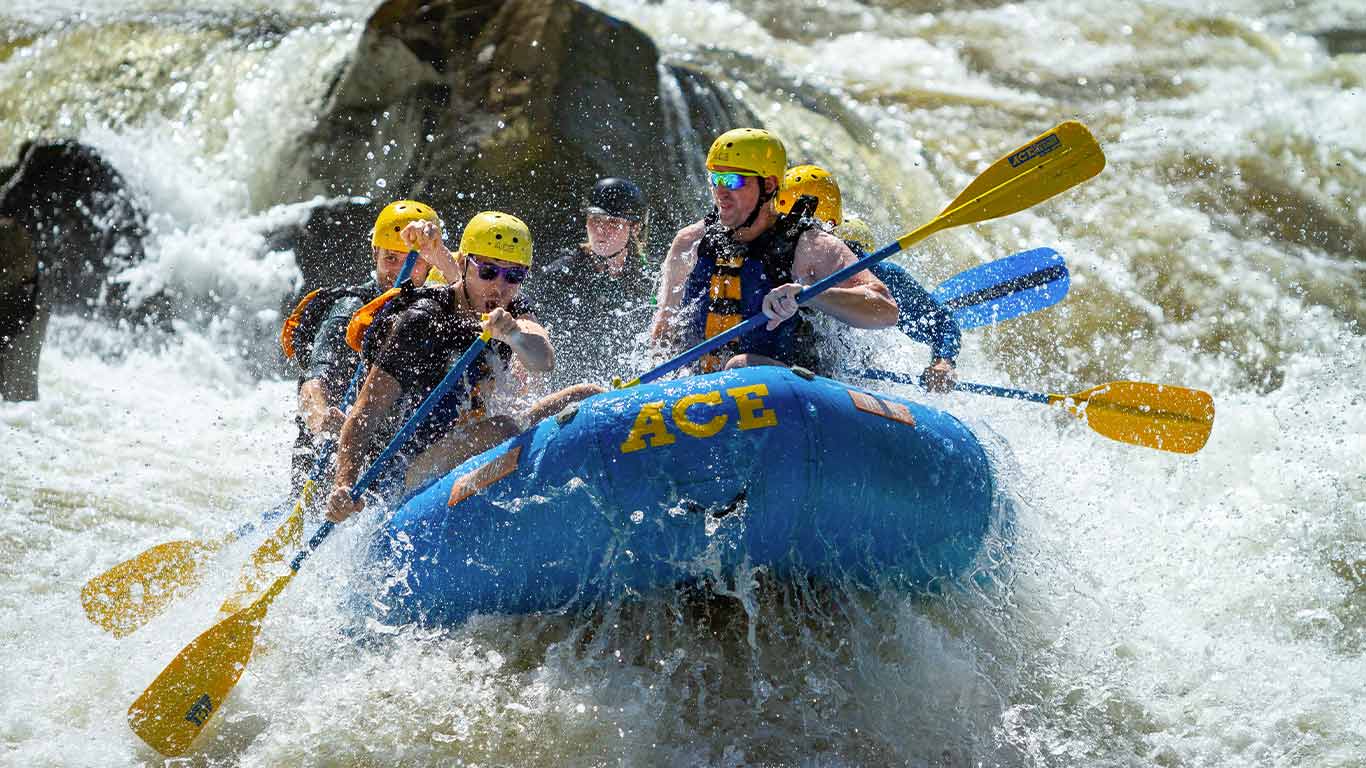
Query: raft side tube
x=660 y=484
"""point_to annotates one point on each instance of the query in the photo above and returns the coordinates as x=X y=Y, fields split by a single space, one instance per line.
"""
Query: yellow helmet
x=497 y=235
x=749 y=149
x=817 y=182
x=394 y=218
x=857 y=231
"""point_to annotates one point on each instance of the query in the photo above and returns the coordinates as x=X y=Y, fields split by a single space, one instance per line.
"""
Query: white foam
x=1165 y=609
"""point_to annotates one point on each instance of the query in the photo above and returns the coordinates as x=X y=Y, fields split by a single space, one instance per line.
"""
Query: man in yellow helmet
x=743 y=259
x=411 y=338
x=315 y=333
x=920 y=316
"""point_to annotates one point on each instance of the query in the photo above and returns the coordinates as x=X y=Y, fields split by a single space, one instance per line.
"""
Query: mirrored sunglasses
x=731 y=180
x=513 y=275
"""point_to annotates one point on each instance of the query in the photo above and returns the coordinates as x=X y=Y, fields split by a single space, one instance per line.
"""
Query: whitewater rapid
x=1163 y=610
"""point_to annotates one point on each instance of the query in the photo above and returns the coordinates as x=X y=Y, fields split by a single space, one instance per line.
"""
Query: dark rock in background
x=518 y=106
x=23 y=313
x=333 y=246
x=68 y=224
x=1341 y=41
x=85 y=224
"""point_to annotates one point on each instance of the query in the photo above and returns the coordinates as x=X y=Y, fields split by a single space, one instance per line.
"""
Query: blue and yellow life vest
x=728 y=284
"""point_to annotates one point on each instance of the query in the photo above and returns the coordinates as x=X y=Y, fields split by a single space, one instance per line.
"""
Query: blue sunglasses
x=731 y=180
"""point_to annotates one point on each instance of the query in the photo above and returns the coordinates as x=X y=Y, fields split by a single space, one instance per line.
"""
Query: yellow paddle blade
x=1157 y=416
x=268 y=561
x=1053 y=162
x=175 y=707
x=131 y=593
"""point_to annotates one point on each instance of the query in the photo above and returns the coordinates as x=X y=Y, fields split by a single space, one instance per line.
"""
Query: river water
x=1162 y=610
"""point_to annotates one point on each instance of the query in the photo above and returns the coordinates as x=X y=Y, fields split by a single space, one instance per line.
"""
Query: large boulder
x=23 y=313
x=85 y=223
x=332 y=247
x=68 y=224
x=519 y=106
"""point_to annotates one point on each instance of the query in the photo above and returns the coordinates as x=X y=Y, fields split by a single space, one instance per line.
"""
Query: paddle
x=1006 y=288
x=1160 y=416
x=1055 y=161
x=130 y=594
x=135 y=591
x=1024 y=282
x=173 y=709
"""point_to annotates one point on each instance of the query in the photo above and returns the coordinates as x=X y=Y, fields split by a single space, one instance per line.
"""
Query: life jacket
x=384 y=311
x=365 y=317
x=728 y=283
x=301 y=327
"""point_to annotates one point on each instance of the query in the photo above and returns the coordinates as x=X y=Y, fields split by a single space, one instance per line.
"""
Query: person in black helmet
x=597 y=296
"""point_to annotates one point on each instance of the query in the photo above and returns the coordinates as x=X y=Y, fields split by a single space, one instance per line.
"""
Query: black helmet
x=616 y=197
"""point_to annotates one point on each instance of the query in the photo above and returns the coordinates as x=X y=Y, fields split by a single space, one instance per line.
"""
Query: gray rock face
x=519 y=106
x=67 y=223
x=23 y=314
x=84 y=223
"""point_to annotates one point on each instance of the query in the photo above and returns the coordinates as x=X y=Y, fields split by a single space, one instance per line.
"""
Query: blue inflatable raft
x=667 y=483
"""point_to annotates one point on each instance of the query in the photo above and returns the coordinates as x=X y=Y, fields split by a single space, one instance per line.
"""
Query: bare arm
x=533 y=346
x=862 y=301
x=529 y=341
x=376 y=399
x=678 y=264
x=425 y=236
x=318 y=416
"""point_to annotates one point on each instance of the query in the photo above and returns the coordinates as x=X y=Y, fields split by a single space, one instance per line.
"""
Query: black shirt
x=593 y=317
x=417 y=347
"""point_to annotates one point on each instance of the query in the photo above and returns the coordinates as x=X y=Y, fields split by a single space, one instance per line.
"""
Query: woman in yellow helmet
x=314 y=335
x=743 y=260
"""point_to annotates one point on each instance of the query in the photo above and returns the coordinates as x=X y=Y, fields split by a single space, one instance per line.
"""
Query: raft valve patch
x=887 y=409
x=478 y=479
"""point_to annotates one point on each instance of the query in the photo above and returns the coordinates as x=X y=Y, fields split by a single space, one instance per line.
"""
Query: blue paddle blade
x=1015 y=285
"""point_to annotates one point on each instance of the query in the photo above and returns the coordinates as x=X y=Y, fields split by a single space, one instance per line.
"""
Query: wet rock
x=84 y=224
x=333 y=246
x=67 y=225
x=519 y=106
x=1342 y=41
x=23 y=314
